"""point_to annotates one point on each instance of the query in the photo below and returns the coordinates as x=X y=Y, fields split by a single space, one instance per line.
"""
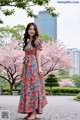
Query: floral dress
x=32 y=94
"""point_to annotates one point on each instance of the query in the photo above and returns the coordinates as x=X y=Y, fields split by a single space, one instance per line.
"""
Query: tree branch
x=4 y=78
x=16 y=5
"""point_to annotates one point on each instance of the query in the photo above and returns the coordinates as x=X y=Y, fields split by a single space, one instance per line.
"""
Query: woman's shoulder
x=38 y=39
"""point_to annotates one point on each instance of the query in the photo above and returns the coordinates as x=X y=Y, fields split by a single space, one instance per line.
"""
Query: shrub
x=78 y=96
x=6 y=93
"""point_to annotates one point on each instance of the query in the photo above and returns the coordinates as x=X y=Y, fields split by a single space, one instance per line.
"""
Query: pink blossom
x=55 y=57
x=66 y=83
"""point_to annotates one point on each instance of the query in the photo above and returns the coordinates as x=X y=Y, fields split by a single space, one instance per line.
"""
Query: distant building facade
x=76 y=59
x=47 y=24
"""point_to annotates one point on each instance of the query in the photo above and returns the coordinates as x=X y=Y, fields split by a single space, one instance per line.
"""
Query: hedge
x=59 y=90
x=55 y=90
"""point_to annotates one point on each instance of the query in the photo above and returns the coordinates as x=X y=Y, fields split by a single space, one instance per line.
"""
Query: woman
x=32 y=95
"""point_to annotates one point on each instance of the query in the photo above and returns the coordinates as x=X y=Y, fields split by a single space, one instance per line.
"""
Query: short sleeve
x=38 y=44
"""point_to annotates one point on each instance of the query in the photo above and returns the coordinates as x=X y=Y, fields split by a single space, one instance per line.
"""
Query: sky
x=68 y=22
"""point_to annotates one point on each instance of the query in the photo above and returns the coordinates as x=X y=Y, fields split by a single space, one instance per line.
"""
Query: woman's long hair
x=26 y=35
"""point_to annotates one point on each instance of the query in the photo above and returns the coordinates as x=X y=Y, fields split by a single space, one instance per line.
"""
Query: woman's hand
x=40 y=71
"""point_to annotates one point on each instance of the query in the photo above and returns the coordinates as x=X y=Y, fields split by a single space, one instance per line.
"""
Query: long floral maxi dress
x=32 y=94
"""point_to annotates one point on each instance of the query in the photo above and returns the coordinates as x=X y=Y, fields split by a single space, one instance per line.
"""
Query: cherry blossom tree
x=55 y=57
x=67 y=83
x=11 y=63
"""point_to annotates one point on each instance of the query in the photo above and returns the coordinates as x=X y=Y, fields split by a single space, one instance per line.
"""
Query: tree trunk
x=11 y=88
x=16 y=85
x=50 y=90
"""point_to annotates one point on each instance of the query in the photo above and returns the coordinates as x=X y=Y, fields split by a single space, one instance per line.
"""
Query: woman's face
x=31 y=30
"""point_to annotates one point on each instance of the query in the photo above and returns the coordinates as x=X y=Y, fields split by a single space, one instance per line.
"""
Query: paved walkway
x=58 y=108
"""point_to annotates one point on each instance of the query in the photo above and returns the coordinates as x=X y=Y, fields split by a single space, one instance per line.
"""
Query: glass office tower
x=47 y=24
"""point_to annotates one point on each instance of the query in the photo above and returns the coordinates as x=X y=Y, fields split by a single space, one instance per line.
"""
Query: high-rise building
x=75 y=53
x=47 y=24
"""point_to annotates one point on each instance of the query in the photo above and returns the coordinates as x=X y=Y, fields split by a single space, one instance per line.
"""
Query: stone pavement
x=58 y=108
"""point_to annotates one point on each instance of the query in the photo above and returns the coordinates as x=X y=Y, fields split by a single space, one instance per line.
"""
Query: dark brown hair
x=26 y=35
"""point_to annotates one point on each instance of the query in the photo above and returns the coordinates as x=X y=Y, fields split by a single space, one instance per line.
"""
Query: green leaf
x=8 y=12
x=1 y=22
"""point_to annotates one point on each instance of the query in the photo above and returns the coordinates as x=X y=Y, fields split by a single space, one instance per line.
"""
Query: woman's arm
x=38 y=56
x=38 y=47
